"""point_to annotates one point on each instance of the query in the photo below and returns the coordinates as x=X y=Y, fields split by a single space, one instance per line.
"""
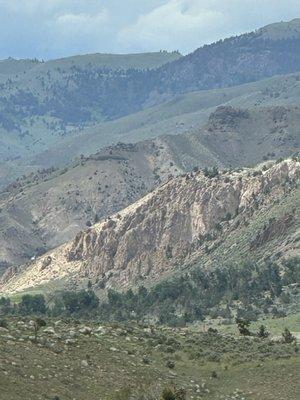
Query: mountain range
x=43 y=104
x=45 y=209
x=101 y=148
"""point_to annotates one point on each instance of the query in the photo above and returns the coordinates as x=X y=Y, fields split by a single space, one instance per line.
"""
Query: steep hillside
x=236 y=136
x=173 y=117
x=195 y=216
x=45 y=209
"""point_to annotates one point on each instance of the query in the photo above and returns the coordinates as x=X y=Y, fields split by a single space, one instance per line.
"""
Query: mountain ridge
x=45 y=209
x=154 y=236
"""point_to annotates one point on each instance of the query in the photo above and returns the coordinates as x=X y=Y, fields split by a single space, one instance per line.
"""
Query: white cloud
x=80 y=23
x=176 y=24
x=51 y=28
x=187 y=24
x=80 y=32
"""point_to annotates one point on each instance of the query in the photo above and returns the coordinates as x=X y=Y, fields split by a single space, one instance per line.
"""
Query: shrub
x=227 y=217
x=123 y=394
x=3 y=324
x=262 y=332
x=212 y=331
x=173 y=394
x=211 y=173
x=218 y=227
x=287 y=336
x=38 y=324
x=168 y=394
x=32 y=304
x=214 y=374
x=243 y=326
x=5 y=305
x=170 y=364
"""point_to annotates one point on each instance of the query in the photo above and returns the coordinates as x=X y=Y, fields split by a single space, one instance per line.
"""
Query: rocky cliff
x=189 y=217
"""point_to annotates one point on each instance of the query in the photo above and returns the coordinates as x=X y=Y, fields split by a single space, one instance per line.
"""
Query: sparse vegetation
x=177 y=301
x=66 y=358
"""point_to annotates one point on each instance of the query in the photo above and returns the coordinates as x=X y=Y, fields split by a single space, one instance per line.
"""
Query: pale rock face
x=160 y=232
x=85 y=330
x=50 y=330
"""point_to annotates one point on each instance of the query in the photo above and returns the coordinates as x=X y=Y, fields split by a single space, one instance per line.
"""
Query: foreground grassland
x=72 y=360
x=273 y=325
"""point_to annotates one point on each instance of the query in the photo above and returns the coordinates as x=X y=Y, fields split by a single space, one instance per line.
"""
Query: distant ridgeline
x=77 y=93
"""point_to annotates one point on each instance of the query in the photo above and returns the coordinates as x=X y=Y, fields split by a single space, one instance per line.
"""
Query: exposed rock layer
x=169 y=228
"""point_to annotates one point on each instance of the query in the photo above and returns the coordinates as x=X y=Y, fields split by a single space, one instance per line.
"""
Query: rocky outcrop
x=167 y=229
x=226 y=116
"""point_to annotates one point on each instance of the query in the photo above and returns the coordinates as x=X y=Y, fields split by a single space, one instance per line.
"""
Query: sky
x=48 y=29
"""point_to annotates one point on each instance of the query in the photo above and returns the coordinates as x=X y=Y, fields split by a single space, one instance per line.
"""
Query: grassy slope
x=246 y=369
x=10 y=66
x=116 y=61
x=236 y=246
x=274 y=325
